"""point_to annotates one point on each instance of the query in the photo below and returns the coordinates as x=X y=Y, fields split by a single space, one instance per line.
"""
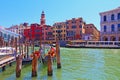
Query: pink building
x=74 y=29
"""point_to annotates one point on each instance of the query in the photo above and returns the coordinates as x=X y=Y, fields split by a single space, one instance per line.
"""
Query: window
x=59 y=26
x=118 y=27
x=64 y=35
x=80 y=32
x=104 y=18
x=37 y=35
x=112 y=28
x=112 y=17
x=73 y=26
x=5 y=35
x=105 y=28
x=37 y=30
x=118 y=16
x=0 y=34
x=8 y=36
x=49 y=33
x=80 y=26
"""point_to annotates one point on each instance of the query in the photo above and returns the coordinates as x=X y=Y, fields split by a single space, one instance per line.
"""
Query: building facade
x=91 y=33
x=47 y=34
x=59 y=30
x=74 y=29
x=110 y=25
x=19 y=29
x=39 y=32
x=33 y=33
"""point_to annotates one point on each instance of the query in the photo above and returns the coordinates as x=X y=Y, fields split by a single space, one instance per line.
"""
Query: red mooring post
x=34 y=65
x=18 y=65
x=49 y=63
x=58 y=54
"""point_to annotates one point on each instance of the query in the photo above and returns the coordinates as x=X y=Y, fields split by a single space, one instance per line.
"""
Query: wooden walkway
x=6 y=60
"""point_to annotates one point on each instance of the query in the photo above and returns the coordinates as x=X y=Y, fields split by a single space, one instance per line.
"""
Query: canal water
x=77 y=64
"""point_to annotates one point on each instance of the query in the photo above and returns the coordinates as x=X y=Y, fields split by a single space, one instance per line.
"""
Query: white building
x=19 y=29
x=110 y=25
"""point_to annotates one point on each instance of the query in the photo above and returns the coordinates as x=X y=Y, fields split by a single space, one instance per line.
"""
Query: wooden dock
x=6 y=61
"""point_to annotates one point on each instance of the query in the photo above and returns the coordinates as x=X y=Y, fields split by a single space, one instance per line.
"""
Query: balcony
x=108 y=21
x=110 y=32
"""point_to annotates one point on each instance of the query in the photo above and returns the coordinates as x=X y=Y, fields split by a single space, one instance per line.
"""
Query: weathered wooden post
x=22 y=50
x=3 y=68
x=49 y=64
x=58 y=54
x=34 y=65
x=10 y=64
x=33 y=44
x=27 y=49
x=18 y=65
x=16 y=44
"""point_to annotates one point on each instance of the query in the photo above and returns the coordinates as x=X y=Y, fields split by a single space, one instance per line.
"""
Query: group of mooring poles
x=35 y=63
x=49 y=64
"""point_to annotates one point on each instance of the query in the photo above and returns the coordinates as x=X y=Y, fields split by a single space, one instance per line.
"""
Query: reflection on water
x=77 y=64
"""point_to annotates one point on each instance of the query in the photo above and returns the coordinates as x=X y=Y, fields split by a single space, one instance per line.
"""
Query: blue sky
x=14 y=12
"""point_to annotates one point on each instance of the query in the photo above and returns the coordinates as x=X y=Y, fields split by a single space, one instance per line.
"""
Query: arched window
x=105 y=38
x=112 y=38
x=118 y=27
x=80 y=26
x=118 y=16
x=112 y=28
x=119 y=38
x=104 y=18
x=112 y=17
x=105 y=28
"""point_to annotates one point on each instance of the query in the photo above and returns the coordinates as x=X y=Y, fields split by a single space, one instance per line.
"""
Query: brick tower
x=42 y=18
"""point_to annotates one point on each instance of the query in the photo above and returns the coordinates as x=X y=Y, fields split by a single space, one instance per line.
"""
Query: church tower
x=42 y=18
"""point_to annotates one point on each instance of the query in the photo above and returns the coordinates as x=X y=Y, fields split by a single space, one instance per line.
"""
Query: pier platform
x=7 y=60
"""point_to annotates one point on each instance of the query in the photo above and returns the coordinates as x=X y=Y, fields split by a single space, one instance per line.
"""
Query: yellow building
x=59 y=30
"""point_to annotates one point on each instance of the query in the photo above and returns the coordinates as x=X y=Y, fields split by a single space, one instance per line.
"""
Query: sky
x=15 y=12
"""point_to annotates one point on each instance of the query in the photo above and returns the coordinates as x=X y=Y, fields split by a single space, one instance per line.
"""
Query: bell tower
x=42 y=18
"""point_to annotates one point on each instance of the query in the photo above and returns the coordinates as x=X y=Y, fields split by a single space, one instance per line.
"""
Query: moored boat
x=95 y=44
x=7 y=51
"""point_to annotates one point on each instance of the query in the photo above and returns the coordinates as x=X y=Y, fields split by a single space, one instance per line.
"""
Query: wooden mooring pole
x=34 y=65
x=18 y=65
x=58 y=54
x=3 y=68
x=49 y=64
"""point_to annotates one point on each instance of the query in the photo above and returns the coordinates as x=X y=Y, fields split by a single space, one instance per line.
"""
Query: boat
x=94 y=44
x=7 y=51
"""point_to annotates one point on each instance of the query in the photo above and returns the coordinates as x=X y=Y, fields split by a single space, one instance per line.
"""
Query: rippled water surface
x=77 y=64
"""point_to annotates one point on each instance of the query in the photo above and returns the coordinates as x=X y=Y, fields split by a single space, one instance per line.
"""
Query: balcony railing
x=102 y=22
x=110 y=32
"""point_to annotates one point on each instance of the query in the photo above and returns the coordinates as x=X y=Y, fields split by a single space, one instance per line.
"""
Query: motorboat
x=7 y=51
